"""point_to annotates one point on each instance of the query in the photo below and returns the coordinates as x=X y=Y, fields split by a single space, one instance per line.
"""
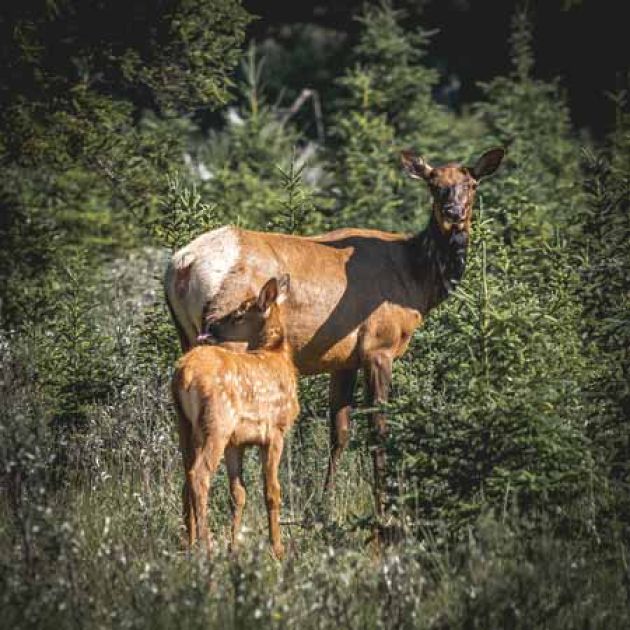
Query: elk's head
x=452 y=186
x=259 y=321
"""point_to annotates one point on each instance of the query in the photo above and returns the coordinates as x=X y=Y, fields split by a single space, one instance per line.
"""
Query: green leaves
x=88 y=120
x=297 y=208
x=72 y=356
x=192 y=53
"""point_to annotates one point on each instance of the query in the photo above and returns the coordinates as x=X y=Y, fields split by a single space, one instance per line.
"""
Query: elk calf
x=229 y=400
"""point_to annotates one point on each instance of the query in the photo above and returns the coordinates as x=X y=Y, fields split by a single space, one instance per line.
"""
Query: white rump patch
x=213 y=256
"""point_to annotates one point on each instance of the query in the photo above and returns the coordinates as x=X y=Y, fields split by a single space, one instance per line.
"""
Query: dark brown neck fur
x=439 y=262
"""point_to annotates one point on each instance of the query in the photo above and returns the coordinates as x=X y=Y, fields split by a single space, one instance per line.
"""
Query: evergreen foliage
x=86 y=120
x=72 y=356
x=532 y=118
x=605 y=228
x=246 y=164
x=490 y=408
x=388 y=106
x=509 y=434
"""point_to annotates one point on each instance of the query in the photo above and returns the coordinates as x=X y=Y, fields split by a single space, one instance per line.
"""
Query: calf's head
x=452 y=186
x=258 y=321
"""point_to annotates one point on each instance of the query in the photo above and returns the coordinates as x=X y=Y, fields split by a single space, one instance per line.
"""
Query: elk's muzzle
x=454 y=213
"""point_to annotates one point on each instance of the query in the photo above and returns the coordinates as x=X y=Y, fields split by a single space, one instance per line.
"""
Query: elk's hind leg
x=341 y=392
x=270 y=456
x=234 y=464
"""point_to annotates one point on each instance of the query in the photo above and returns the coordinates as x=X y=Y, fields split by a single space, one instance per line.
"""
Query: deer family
x=228 y=400
x=359 y=294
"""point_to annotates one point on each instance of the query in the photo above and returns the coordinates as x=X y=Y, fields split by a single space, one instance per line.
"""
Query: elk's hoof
x=384 y=535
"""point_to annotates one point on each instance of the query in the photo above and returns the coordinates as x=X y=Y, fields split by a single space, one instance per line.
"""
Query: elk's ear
x=268 y=295
x=488 y=163
x=414 y=165
x=284 y=286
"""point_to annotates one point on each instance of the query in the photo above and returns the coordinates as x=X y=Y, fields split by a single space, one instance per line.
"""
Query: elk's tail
x=175 y=278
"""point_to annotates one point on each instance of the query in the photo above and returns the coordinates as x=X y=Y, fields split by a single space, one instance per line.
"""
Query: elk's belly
x=252 y=429
x=388 y=329
x=341 y=355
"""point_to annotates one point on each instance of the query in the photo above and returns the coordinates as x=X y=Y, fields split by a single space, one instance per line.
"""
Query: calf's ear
x=488 y=162
x=268 y=295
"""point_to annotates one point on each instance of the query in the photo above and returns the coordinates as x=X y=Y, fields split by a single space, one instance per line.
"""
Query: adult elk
x=359 y=294
x=229 y=400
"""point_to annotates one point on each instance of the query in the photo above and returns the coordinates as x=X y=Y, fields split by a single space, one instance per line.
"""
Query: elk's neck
x=439 y=262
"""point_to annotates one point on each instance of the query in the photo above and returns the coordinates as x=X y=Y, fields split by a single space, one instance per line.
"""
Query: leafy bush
x=489 y=407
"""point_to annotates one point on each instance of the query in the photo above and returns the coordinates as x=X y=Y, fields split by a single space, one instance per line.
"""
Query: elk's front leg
x=270 y=456
x=341 y=392
x=378 y=377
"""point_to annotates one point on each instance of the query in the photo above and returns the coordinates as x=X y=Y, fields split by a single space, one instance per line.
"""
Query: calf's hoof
x=278 y=551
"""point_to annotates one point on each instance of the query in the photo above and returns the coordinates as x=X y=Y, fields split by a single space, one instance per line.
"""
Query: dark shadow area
x=583 y=43
x=378 y=271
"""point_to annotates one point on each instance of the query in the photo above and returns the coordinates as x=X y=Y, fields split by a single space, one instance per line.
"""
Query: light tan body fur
x=226 y=402
x=343 y=306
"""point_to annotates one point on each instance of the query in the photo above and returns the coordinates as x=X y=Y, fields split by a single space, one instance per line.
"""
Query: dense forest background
x=128 y=128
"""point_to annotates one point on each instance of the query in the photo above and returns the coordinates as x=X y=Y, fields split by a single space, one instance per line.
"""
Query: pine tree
x=489 y=408
x=531 y=117
x=389 y=106
x=90 y=121
x=249 y=163
x=604 y=222
x=72 y=353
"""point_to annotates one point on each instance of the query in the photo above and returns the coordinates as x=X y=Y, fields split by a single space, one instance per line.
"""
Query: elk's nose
x=453 y=213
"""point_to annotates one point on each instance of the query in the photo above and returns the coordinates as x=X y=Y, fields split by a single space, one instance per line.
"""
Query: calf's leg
x=206 y=461
x=270 y=457
x=234 y=464
x=188 y=511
